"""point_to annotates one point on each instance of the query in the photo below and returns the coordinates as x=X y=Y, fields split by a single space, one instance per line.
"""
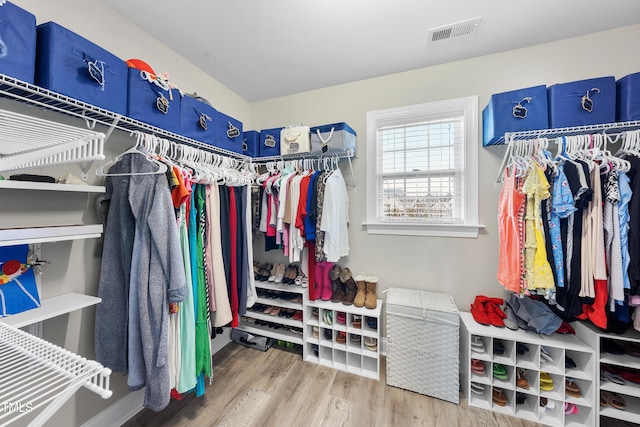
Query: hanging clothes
x=509 y=266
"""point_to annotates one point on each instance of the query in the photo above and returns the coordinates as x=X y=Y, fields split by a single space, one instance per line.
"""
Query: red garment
x=181 y=193
x=311 y=250
x=233 y=231
x=301 y=212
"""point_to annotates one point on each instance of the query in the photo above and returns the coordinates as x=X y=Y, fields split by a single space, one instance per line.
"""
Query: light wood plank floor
x=276 y=388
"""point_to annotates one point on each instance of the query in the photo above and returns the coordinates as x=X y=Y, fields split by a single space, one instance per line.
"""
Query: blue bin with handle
x=17 y=42
x=628 y=98
x=582 y=103
x=71 y=65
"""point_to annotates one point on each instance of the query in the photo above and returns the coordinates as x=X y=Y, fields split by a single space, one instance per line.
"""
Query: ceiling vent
x=457 y=29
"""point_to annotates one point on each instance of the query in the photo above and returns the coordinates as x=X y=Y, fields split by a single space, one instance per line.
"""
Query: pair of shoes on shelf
x=546 y=404
x=544 y=354
x=520 y=398
x=609 y=398
x=477 y=367
x=341 y=338
x=341 y=317
x=327 y=317
x=371 y=343
x=356 y=321
x=366 y=295
x=498 y=346
x=264 y=272
x=498 y=397
x=571 y=388
x=608 y=373
x=290 y=274
x=486 y=311
x=546 y=382
x=277 y=273
x=570 y=408
x=521 y=379
x=355 y=339
x=297 y=315
x=328 y=334
x=521 y=349
x=477 y=388
x=476 y=344
x=500 y=372
x=372 y=322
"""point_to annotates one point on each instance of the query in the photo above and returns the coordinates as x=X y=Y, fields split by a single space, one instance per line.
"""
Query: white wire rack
x=27 y=141
x=36 y=375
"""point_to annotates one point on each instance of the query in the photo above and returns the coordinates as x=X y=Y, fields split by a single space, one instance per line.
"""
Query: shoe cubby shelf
x=611 y=353
x=545 y=362
x=343 y=337
x=276 y=327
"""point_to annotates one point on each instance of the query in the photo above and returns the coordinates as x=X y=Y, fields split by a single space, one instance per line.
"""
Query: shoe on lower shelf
x=498 y=397
x=477 y=388
x=476 y=344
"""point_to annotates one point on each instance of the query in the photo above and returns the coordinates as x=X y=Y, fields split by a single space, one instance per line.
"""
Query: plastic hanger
x=162 y=168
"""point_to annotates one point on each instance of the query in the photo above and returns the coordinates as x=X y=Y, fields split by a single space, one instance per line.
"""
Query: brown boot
x=350 y=286
x=360 y=295
x=371 y=298
x=334 y=275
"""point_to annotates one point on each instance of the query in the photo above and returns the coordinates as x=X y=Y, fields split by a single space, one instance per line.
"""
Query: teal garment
x=192 y=226
x=203 y=348
x=187 y=377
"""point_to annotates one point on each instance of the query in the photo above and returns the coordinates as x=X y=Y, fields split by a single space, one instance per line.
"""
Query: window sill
x=468 y=231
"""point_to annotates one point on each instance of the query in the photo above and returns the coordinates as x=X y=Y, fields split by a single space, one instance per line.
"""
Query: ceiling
x=263 y=49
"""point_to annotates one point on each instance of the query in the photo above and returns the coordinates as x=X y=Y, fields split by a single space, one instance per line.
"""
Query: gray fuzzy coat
x=131 y=333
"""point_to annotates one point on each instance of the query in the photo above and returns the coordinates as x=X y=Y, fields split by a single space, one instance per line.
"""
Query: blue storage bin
x=148 y=102
x=197 y=120
x=251 y=143
x=338 y=136
x=17 y=42
x=228 y=133
x=270 y=142
x=582 y=103
x=514 y=111
x=628 y=98
x=73 y=66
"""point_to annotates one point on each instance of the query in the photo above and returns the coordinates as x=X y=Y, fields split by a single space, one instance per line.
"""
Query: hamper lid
x=419 y=299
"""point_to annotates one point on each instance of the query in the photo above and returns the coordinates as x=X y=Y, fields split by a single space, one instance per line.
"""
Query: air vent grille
x=457 y=29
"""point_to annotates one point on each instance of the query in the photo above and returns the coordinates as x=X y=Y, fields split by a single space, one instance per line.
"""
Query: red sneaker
x=479 y=313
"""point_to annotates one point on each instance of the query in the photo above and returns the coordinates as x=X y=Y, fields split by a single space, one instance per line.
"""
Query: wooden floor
x=276 y=388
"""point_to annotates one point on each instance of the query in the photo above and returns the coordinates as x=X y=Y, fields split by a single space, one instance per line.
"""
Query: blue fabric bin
x=73 y=66
x=339 y=137
x=18 y=290
x=270 y=142
x=514 y=111
x=569 y=103
x=251 y=143
x=145 y=102
x=17 y=43
x=228 y=133
x=628 y=98
x=197 y=120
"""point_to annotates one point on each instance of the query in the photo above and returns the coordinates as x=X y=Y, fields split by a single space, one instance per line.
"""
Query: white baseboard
x=120 y=412
x=127 y=407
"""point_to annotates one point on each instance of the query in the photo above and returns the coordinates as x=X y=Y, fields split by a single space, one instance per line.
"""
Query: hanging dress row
x=176 y=264
x=304 y=207
x=569 y=225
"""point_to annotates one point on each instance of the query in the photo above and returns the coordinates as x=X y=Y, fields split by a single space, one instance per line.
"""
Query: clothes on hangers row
x=569 y=227
x=300 y=205
x=177 y=262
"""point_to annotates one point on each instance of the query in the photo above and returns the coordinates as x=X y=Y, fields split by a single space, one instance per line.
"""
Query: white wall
x=462 y=267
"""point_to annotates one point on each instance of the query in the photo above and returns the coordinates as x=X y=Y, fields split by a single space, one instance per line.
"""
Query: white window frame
x=469 y=228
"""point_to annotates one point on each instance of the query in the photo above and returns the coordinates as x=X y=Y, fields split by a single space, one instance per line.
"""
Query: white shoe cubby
x=277 y=327
x=501 y=346
x=323 y=332
x=629 y=391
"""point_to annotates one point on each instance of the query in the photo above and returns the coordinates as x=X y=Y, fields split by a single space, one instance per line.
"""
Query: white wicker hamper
x=423 y=343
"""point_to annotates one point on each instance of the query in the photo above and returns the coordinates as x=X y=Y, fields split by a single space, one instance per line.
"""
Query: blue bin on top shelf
x=628 y=98
x=270 y=142
x=251 y=143
x=228 y=133
x=582 y=103
x=17 y=42
x=197 y=120
x=71 y=65
x=150 y=102
x=514 y=111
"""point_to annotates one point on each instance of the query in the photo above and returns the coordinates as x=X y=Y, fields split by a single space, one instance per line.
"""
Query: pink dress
x=509 y=259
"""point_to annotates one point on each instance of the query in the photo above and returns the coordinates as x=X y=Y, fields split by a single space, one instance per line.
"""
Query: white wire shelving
x=39 y=377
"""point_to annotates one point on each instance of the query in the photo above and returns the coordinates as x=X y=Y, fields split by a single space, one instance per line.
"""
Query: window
x=422 y=169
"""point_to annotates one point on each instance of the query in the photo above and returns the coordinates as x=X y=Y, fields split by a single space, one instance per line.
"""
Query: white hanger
x=162 y=168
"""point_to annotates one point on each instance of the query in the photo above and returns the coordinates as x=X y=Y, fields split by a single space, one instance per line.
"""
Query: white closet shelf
x=51 y=307
x=27 y=235
x=34 y=95
x=608 y=128
x=46 y=186
x=278 y=334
